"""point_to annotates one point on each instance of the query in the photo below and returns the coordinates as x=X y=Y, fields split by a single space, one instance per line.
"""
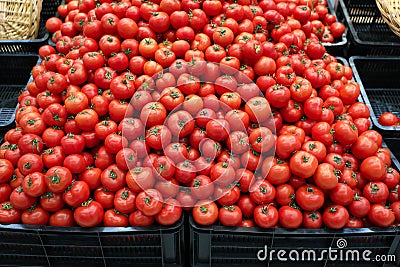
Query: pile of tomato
x=231 y=109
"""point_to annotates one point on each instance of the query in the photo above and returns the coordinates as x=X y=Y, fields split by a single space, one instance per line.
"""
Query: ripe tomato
x=89 y=214
x=312 y=219
x=8 y=214
x=262 y=192
x=381 y=216
x=51 y=202
x=77 y=193
x=58 y=179
x=149 y=202
x=28 y=163
x=230 y=215
x=290 y=217
x=373 y=168
x=325 y=176
x=309 y=197
x=153 y=113
x=35 y=215
x=359 y=207
x=388 y=119
x=170 y=213
x=303 y=164
x=6 y=170
x=205 y=212
x=342 y=194
x=34 y=184
x=376 y=192
x=335 y=216
x=266 y=216
x=223 y=36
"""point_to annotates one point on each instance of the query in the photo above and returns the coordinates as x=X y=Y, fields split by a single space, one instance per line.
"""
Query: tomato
x=35 y=215
x=290 y=217
x=381 y=216
x=222 y=173
x=115 y=218
x=266 y=216
x=230 y=215
x=309 y=197
x=153 y=113
x=246 y=205
x=223 y=36
x=342 y=194
x=8 y=214
x=32 y=123
x=385 y=155
x=34 y=184
x=376 y=192
x=373 y=168
x=364 y=147
x=238 y=120
x=58 y=179
x=391 y=178
x=278 y=96
x=76 y=163
x=5 y=192
x=275 y=170
x=170 y=213
x=149 y=202
x=51 y=202
x=312 y=219
x=337 y=29
x=303 y=164
x=73 y=144
x=228 y=195
x=89 y=214
x=262 y=192
x=359 y=207
x=114 y=143
x=77 y=193
x=388 y=119
x=265 y=66
x=205 y=212
x=20 y=200
x=180 y=123
x=325 y=176
x=335 y=216
x=258 y=109
x=7 y=170
x=28 y=163
x=315 y=148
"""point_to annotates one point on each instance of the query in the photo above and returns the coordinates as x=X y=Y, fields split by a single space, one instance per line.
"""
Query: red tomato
x=205 y=212
x=89 y=214
x=335 y=216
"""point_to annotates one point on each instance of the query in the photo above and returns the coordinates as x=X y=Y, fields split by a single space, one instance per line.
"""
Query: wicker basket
x=19 y=19
x=390 y=11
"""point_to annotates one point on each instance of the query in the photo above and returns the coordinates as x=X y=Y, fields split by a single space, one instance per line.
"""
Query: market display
x=233 y=110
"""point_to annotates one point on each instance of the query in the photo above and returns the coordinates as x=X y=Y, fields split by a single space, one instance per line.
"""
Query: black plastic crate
x=14 y=75
x=369 y=34
x=234 y=246
x=24 y=245
x=49 y=9
x=223 y=246
x=379 y=81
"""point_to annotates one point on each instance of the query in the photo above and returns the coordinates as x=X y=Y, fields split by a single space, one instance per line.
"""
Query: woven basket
x=19 y=19
x=390 y=11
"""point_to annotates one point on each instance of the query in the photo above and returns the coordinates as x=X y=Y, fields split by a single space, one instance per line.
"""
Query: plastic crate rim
x=353 y=30
x=364 y=95
x=94 y=230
